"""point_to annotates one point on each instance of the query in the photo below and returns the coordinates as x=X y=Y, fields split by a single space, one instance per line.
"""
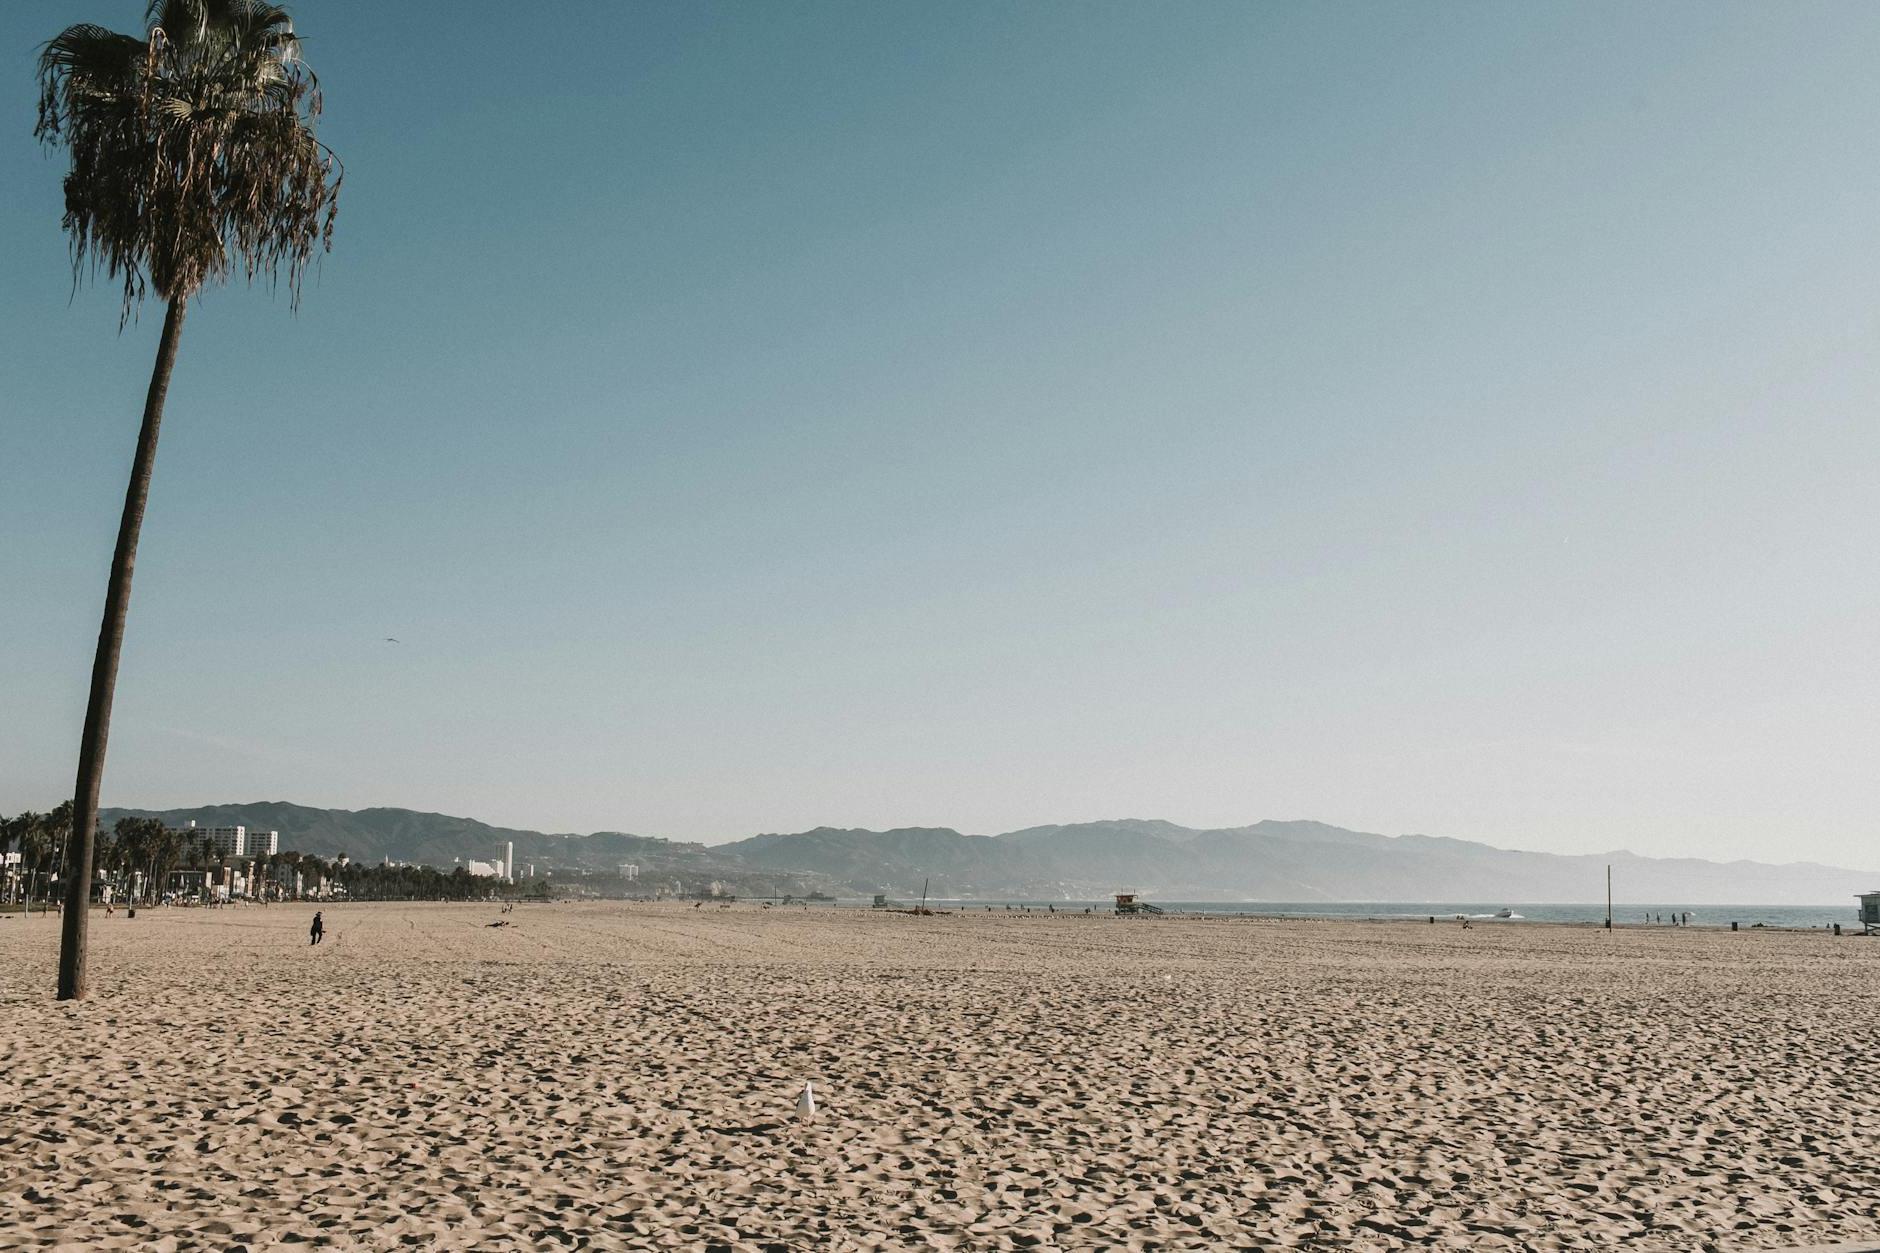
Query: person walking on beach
x=319 y=929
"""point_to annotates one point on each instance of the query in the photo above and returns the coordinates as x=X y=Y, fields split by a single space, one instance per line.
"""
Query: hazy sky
x=1445 y=418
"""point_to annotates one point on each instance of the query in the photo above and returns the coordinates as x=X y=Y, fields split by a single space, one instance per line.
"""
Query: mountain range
x=1266 y=861
x=407 y=835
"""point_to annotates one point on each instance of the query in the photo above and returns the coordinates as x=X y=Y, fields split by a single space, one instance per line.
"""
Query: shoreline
x=940 y=907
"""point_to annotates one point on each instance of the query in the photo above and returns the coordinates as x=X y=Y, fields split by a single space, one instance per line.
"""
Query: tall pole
x=1608 y=897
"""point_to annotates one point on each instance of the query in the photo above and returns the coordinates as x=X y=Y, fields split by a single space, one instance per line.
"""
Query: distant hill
x=440 y=840
x=1273 y=861
x=1267 y=861
x=363 y=834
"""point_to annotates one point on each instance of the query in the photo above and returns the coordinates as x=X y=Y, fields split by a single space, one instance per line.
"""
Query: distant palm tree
x=13 y=836
x=17 y=836
x=45 y=837
x=137 y=840
x=192 y=154
x=59 y=837
x=166 y=848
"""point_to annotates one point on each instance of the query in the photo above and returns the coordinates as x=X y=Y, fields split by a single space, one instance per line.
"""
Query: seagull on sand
x=806 y=1103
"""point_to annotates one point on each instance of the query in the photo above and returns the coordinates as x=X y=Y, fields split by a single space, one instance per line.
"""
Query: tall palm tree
x=58 y=823
x=13 y=840
x=166 y=847
x=135 y=841
x=106 y=853
x=193 y=154
x=20 y=832
x=33 y=853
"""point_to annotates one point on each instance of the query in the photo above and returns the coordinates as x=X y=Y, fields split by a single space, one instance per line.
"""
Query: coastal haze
x=1266 y=861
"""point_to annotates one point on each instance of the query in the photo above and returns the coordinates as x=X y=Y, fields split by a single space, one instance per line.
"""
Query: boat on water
x=1506 y=913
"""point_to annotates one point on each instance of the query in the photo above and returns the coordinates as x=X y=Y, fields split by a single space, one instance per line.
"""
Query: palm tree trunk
x=104 y=671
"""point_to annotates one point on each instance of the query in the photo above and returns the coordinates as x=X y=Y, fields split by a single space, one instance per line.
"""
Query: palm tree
x=21 y=831
x=192 y=154
x=42 y=837
x=105 y=853
x=58 y=840
x=166 y=848
x=13 y=836
x=138 y=840
x=290 y=866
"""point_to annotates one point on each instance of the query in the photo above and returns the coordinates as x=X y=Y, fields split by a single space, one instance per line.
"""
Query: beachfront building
x=629 y=871
x=222 y=841
x=233 y=841
x=504 y=867
x=201 y=885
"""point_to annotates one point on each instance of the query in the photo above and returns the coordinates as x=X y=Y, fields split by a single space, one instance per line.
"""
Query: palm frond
x=192 y=150
x=81 y=64
x=185 y=21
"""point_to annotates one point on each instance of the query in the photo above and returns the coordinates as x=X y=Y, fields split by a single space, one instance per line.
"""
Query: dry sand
x=616 y=1076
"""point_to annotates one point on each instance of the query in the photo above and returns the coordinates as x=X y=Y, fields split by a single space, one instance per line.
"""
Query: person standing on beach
x=319 y=929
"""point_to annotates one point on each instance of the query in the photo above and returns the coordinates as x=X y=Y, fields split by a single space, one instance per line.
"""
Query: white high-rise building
x=232 y=841
x=509 y=861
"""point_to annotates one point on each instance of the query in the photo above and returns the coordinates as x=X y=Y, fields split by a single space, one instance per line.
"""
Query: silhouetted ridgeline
x=406 y=835
x=1273 y=861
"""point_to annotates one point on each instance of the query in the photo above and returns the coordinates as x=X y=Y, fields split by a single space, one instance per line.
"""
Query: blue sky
x=1447 y=418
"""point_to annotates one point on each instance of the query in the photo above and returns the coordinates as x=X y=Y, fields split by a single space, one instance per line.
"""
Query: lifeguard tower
x=1869 y=912
x=1127 y=905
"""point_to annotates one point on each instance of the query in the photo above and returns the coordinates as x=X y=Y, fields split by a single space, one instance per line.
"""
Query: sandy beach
x=614 y=1076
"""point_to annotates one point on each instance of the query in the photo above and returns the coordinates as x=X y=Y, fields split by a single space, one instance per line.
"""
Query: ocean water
x=1623 y=913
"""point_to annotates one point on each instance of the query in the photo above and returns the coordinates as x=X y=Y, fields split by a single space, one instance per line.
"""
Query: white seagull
x=806 y=1103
